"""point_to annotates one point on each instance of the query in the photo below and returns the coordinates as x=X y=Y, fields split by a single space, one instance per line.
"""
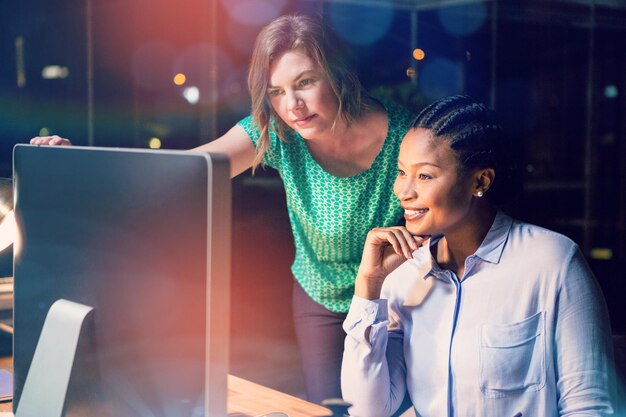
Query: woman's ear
x=484 y=180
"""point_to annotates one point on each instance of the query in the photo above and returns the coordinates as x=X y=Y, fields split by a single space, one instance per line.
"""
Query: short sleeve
x=251 y=129
x=271 y=157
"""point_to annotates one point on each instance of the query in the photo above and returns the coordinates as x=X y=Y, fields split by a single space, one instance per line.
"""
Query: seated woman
x=491 y=316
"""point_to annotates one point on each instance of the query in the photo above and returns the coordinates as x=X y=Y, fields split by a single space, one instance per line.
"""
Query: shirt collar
x=490 y=250
x=493 y=244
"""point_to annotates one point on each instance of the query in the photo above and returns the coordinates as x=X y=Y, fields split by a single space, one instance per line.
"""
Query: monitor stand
x=48 y=377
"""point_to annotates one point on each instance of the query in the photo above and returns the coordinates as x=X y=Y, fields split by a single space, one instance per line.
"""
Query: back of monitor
x=143 y=237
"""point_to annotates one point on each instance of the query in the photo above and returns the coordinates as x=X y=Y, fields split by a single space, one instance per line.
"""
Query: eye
x=273 y=93
x=306 y=82
x=424 y=177
x=401 y=173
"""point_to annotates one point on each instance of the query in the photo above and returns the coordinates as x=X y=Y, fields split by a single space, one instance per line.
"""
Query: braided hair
x=477 y=139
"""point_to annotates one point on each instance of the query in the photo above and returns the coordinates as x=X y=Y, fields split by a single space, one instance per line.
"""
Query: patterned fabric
x=330 y=216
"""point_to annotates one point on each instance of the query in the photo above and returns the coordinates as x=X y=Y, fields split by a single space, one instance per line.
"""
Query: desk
x=245 y=399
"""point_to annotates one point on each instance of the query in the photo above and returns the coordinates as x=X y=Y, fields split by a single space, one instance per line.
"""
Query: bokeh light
x=154 y=143
x=44 y=131
x=254 y=12
x=192 y=94
x=602 y=253
x=51 y=72
x=418 y=54
x=196 y=62
x=440 y=78
x=463 y=20
x=180 y=78
x=361 y=25
x=611 y=91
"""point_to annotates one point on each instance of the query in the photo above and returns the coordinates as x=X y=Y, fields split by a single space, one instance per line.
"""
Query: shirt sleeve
x=584 y=371
x=271 y=156
x=373 y=371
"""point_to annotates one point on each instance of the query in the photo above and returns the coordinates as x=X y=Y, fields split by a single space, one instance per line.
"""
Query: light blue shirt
x=525 y=330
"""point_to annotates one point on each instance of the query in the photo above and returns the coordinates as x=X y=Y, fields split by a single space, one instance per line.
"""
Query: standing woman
x=335 y=148
x=492 y=317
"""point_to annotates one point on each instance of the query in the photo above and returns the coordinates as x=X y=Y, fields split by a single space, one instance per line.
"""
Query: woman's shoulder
x=252 y=129
x=394 y=109
x=541 y=241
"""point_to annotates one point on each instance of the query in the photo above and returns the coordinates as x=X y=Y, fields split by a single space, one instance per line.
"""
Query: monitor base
x=48 y=377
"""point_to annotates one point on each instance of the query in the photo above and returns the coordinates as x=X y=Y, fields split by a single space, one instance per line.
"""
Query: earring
x=480 y=193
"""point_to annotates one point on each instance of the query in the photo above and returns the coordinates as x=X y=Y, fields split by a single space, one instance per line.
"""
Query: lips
x=413 y=214
x=303 y=121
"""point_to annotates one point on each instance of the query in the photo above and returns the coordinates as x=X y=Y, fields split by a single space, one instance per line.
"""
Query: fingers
x=400 y=239
x=404 y=244
x=419 y=240
x=50 y=140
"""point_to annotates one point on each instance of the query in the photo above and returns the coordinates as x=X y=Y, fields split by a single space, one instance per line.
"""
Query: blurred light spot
x=464 y=19
x=410 y=72
x=51 y=72
x=154 y=143
x=468 y=56
x=601 y=253
x=440 y=77
x=192 y=94
x=151 y=65
x=179 y=79
x=8 y=230
x=608 y=138
x=530 y=168
x=197 y=63
x=361 y=25
x=419 y=54
x=19 y=62
x=254 y=12
x=44 y=131
x=611 y=91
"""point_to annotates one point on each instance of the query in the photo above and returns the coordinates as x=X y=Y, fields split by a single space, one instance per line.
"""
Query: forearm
x=235 y=144
x=373 y=371
x=368 y=287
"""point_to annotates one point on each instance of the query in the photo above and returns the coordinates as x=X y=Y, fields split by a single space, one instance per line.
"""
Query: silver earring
x=480 y=193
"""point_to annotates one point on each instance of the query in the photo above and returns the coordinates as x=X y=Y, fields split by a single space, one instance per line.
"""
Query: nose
x=405 y=190
x=294 y=101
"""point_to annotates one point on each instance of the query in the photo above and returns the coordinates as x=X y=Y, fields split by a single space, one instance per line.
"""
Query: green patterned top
x=330 y=216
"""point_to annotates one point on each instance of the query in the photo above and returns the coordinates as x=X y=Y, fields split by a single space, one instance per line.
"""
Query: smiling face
x=301 y=94
x=436 y=193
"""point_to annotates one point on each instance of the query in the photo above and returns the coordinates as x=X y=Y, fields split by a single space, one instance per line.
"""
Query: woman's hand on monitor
x=50 y=140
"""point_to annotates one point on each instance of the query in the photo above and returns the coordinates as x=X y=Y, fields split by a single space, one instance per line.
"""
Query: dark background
x=554 y=70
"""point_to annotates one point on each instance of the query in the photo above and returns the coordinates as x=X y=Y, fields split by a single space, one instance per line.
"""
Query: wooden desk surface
x=245 y=399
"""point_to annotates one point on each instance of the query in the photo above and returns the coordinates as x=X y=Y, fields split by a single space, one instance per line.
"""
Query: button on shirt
x=525 y=329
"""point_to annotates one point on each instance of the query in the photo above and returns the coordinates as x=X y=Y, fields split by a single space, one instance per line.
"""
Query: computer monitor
x=143 y=237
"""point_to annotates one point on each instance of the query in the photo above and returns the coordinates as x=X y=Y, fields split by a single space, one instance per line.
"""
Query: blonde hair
x=309 y=34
